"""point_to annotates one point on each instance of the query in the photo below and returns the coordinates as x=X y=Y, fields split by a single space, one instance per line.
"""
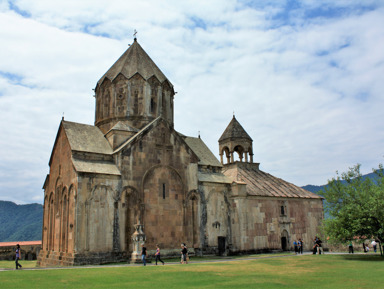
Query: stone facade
x=131 y=177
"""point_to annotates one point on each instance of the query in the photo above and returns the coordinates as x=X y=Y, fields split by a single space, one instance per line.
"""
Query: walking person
x=157 y=254
x=18 y=256
x=184 y=254
x=144 y=254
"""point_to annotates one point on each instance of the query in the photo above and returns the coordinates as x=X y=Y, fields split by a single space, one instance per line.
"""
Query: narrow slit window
x=163 y=191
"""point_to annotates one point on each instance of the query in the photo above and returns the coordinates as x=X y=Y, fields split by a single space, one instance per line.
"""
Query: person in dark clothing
x=157 y=254
x=18 y=257
x=314 y=250
x=350 y=247
x=301 y=246
x=319 y=246
x=144 y=254
x=184 y=254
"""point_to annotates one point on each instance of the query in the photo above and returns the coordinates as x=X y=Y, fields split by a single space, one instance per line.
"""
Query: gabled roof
x=206 y=157
x=134 y=60
x=260 y=183
x=150 y=126
x=123 y=127
x=234 y=130
x=140 y=132
x=86 y=138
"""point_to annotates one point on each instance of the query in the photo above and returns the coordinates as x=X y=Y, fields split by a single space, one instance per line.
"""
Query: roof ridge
x=134 y=60
x=137 y=134
x=234 y=130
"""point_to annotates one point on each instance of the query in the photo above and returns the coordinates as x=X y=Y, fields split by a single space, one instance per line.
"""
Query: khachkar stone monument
x=138 y=238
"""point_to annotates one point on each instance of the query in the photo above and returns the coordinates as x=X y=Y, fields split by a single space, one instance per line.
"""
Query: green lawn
x=308 y=271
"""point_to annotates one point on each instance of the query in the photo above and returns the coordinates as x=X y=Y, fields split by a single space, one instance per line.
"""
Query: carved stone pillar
x=138 y=238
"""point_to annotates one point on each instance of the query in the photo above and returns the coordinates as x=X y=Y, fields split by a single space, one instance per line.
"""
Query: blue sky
x=304 y=78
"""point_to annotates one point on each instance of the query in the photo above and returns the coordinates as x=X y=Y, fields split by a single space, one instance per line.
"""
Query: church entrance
x=284 y=240
x=221 y=245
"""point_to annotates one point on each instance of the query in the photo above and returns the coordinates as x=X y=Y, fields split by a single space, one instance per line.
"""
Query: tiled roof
x=95 y=167
x=206 y=157
x=134 y=60
x=234 y=130
x=213 y=178
x=86 y=138
x=260 y=183
x=21 y=243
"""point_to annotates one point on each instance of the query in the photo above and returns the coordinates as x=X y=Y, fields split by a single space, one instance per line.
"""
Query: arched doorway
x=284 y=240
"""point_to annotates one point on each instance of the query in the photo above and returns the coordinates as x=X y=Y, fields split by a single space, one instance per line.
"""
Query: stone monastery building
x=131 y=177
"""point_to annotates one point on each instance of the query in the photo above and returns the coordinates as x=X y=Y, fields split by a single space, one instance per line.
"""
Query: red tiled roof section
x=260 y=183
x=21 y=243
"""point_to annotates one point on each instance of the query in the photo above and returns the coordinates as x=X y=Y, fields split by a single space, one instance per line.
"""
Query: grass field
x=308 y=271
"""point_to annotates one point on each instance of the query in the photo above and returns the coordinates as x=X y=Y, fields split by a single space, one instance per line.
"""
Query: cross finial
x=233 y=114
x=199 y=134
x=134 y=34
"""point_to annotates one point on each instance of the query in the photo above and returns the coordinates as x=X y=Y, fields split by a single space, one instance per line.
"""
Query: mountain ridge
x=20 y=222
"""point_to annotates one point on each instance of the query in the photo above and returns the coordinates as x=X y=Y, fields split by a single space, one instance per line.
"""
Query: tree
x=355 y=205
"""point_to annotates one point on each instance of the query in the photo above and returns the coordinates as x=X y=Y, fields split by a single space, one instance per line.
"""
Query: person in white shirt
x=374 y=245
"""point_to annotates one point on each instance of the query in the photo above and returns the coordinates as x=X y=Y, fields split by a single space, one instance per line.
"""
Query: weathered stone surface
x=133 y=168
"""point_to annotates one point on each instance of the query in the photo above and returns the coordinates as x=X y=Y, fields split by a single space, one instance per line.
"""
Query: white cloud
x=307 y=90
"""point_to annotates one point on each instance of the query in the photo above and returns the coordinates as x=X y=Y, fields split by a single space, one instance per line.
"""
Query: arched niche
x=129 y=206
x=163 y=196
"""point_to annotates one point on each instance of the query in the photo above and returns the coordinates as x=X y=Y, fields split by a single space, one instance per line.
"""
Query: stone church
x=132 y=178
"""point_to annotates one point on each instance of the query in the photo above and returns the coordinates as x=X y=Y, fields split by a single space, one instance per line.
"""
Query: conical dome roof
x=134 y=60
x=234 y=130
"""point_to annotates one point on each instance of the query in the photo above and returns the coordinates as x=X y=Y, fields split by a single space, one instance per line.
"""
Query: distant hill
x=20 y=222
x=316 y=189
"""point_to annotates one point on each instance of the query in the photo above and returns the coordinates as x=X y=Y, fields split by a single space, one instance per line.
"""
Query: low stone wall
x=357 y=247
x=28 y=252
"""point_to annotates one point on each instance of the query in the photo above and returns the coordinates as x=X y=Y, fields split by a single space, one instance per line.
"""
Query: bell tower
x=235 y=140
x=133 y=92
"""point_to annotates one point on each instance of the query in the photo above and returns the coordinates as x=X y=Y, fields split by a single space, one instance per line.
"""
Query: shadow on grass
x=370 y=258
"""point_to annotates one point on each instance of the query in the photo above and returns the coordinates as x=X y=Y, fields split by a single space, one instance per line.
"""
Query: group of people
x=298 y=245
x=317 y=247
x=183 y=252
x=365 y=247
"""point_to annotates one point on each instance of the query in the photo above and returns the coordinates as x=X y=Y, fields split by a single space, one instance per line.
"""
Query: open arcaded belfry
x=131 y=177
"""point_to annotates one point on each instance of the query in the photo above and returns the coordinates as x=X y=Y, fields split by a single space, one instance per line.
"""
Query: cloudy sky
x=304 y=78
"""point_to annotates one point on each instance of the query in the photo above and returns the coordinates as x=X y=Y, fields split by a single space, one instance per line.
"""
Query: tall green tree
x=355 y=205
